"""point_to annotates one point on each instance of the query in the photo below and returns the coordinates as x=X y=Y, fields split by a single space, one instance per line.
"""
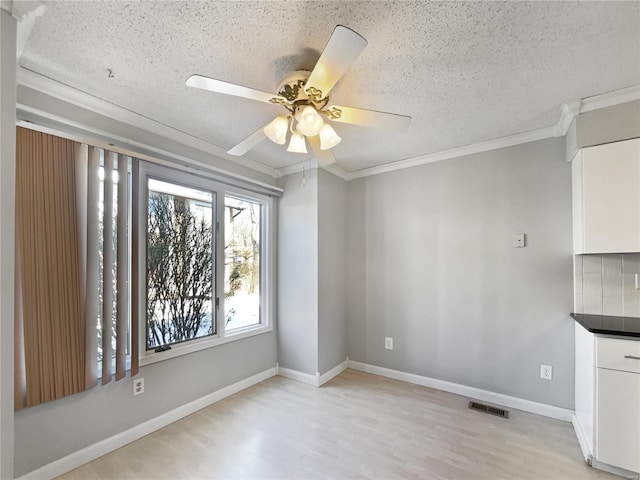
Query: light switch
x=518 y=240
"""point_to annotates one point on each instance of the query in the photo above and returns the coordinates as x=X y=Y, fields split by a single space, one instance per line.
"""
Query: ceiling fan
x=305 y=95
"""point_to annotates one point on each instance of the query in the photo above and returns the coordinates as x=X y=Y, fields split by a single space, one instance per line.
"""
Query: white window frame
x=267 y=257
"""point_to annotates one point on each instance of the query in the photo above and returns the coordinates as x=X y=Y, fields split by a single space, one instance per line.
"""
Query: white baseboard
x=87 y=454
x=585 y=445
x=297 y=376
x=334 y=372
x=316 y=380
x=466 y=391
x=621 y=472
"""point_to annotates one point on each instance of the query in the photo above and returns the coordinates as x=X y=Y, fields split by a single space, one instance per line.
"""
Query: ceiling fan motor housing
x=292 y=88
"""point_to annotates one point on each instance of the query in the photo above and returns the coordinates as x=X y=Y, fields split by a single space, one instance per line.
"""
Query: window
x=133 y=262
x=203 y=263
x=242 y=263
x=180 y=280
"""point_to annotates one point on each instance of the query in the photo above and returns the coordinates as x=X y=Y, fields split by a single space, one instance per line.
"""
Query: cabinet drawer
x=618 y=354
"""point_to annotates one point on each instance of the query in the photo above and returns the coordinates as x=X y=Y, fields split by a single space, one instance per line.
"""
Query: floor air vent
x=499 y=412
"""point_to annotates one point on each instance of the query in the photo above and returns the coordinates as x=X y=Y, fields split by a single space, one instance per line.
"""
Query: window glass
x=111 y=244
x=179 y=264
x=242 y=262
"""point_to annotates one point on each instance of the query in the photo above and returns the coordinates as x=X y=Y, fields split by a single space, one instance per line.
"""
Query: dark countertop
x=609 y=325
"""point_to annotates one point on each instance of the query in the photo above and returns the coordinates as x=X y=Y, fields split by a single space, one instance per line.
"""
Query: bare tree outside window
x=111 y=244
x=179 y=264
x=242 y=262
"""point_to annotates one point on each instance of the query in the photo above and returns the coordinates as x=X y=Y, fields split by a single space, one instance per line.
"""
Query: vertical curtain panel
x=72 y=267
x=52 y=320
x=115 y=271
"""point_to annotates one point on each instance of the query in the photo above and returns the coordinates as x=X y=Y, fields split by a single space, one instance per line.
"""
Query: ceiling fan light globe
x=309 y=121
x=297 y=144
x=309 y=115
x=276 y=131
x=328 y=137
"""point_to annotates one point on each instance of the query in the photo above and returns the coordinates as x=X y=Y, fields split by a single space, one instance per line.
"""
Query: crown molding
x=298 y=167
x=570 y=110
x=65 y=128
x=610 y=99
x=569 y=113
x=313 y=164
x=337 y=171
x=480 y=147
x=60 y=91
x=25 y=26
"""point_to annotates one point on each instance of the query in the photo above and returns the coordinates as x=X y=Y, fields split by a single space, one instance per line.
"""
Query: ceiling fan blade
x=248 y=143
x=341 y=51
x=324 y=157
x=371 y=118
x=213 y=85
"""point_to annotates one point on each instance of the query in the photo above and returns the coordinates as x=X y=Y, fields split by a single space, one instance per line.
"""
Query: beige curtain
x=50 y=315
x=58 y=301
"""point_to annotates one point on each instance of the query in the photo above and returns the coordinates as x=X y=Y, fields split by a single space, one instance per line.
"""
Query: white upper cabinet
x=606 y=198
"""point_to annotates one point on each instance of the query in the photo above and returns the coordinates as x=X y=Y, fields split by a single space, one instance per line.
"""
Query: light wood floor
x=356 y=426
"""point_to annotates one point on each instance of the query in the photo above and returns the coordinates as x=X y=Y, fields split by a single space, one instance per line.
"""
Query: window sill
x=147 y=358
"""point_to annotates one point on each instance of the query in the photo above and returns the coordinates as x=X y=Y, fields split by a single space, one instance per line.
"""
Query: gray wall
x=55 y=429
x=298 y=273
x=312 y=294
x=7 y=201
x=430 y=263
x=332 y=281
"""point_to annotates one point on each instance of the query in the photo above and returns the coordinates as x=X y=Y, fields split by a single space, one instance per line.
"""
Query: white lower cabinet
x=618 y=419
x=607 y=418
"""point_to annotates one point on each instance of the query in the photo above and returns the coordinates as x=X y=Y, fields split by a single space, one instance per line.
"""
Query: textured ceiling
x=465 y=72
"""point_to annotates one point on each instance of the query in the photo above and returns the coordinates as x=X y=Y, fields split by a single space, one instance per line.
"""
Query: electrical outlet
x=388 y=343
x=138 y=386
x=546 y=372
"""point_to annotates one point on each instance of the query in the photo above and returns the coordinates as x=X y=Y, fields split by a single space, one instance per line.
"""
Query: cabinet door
x=611 y=197
x=618 y=419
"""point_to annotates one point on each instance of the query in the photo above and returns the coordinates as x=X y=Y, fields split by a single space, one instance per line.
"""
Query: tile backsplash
x=606 y=284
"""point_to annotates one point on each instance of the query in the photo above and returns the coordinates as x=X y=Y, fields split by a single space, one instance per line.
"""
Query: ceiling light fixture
x=297 y=144
x=328 y=137
x=308 y=123
x=276 y=131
